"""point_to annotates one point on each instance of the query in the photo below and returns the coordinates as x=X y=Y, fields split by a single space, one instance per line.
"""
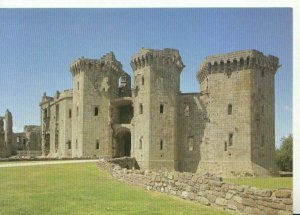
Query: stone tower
x=239 y=135
x=155 y=95
x=95 y=84
x=8 y=128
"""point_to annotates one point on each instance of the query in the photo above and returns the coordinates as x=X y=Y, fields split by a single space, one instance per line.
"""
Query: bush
x=284 y=155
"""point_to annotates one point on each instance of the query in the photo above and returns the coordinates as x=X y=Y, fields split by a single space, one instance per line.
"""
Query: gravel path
x=35 y=163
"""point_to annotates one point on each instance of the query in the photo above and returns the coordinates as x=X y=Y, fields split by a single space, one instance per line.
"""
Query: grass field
x=264 y=183
x=81 y=189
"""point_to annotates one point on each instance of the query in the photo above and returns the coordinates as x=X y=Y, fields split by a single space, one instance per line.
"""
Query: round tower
x=155 y=95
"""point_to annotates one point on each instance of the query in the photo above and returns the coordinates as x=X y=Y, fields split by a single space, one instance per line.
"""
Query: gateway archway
x=123 y=143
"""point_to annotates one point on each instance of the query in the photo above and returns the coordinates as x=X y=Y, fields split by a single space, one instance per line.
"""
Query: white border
x=187 y=4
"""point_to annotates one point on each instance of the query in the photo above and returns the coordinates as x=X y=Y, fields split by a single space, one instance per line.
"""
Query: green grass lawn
x=263 y=183
x=82 y=189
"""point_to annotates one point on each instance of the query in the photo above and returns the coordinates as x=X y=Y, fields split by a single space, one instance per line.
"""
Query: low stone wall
x=205 y=189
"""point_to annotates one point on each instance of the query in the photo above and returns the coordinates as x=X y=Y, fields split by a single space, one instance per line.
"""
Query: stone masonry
x=204 y=189
x=227 y=128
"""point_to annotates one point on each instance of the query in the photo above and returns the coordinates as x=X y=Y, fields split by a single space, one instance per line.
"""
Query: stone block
x=283 y=193
x=221 y=201
x=263 y=193
x=204 y=187
x=184 y=194
x=248 y=202
x=211 y=198
x=237 y=199
x=228 y=195
x=204 y=201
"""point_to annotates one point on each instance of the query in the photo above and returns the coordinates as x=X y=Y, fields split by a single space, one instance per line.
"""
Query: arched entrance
x=123 y=143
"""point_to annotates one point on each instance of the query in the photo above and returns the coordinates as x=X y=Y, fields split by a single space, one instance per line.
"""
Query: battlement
x=107 y=61
x=166 y=57
x=236 y=61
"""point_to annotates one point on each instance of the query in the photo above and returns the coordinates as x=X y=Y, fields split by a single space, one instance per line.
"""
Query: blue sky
x=38 y=45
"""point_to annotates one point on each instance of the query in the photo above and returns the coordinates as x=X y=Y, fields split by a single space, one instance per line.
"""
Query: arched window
x=241 y=62
x=229 y=109
x=225 y=146
x=70 y=113
x=97 y=144
x=230 y=137
x=143 y=80
x=248 y=61
x=161 y=108
x=77 y=111
x=141 y=108
x=141 y=142
x=222 y=65
x=161 y=145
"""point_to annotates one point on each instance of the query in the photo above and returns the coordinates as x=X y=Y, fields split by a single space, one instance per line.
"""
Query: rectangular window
x=97 y=144
x=141 y=108
x=77 y=111
x=76 y=144
x=70 y=113
x=262 y=140
x=191 y=143
x=161 y=108
x=96 y=111
x=229 y=109
x=230 y=137
x=69 y=144
x=161 y=145
x=225 y=146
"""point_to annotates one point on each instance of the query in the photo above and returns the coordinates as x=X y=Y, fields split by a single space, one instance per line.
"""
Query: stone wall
x=205 y=189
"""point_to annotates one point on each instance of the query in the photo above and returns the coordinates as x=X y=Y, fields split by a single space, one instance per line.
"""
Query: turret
x=155 y=93
x=241 y=110
x=95 y=83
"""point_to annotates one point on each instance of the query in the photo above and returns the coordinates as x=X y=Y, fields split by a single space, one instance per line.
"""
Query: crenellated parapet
x=237 y=61
x=106 y=62
x=149 y=57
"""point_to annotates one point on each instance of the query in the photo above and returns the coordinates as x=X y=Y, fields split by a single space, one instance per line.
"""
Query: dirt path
x=35 y=163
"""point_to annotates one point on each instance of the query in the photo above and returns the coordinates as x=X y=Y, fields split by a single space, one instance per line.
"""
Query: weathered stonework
x=205 y=189
x=227 y=128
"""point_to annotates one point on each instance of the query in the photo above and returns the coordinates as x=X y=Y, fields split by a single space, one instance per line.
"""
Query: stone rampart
x=205 y=189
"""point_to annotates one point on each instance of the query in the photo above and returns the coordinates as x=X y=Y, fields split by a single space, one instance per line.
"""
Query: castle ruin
x=227 y=128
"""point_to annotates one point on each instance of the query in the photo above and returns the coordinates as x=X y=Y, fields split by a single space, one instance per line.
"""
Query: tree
x=284 y=155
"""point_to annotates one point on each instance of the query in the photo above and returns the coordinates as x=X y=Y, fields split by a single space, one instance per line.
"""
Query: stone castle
x=227 y=128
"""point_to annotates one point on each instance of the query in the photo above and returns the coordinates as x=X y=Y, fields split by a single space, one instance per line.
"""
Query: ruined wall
x=95 y=84
x=228 y=137
x=159 y=73
x=190 y=131
x=32 y=133
x=45 y=123
x=6 y=135
x=205 y=189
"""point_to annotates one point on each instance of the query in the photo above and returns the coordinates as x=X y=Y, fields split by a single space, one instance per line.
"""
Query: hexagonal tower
x=95 y=84
x=240 y=134
x=155 y=95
